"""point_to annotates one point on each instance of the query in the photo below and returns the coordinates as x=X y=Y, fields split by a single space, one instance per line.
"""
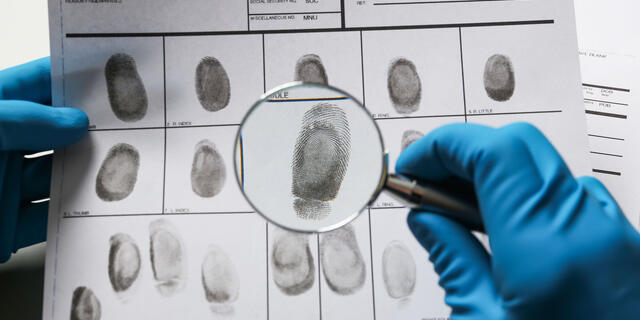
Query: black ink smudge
x=405 y=88
x=168 y=259
x=409 y=137
x=342 y=262
x=320 y=160
x=208 y=172
x=309 y=68
x=293 y=266
x=398 y=270
x=499 y=78
x=124 y=262
x=118 y=173
x=219 y=280
x=127 y=95
x=85 y=305
x=212 y=84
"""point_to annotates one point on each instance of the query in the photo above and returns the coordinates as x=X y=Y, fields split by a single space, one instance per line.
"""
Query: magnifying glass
x=310 y=158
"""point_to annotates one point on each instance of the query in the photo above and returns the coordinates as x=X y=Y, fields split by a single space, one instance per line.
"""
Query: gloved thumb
x=29 y=126
x=463 y=265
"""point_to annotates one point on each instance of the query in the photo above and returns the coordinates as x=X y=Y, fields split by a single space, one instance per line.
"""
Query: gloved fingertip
x=74 y=121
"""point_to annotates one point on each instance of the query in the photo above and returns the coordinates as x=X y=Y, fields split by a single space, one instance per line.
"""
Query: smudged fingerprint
x=292 y=262
x=405 y=88
x=208 y=172
x=127 y=95
x=309 y=68
x=398 y=270
x=85 y=305
x=124 y=262
x=220 y=280
x=499 y=78
x=342 y=262
x=118 y=173
x=320 y=160
x=168 y=259
x=409 y=137
x=212 y=84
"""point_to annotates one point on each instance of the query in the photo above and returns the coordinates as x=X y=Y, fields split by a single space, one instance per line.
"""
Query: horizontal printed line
x=607 y=154
x=154 y=214
x=170 y=127
x=249 y=32
x=605 y=137
x=434 y=2
x=422 y=117
x=387 y=208
x=308 y=99
x=613 y=173
x=512 y=113
x=290 y=13
x=605 y=87
x=609 y=102
x=606 y=114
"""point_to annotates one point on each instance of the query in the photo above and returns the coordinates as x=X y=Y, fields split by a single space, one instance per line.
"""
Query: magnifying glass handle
x=420 y=194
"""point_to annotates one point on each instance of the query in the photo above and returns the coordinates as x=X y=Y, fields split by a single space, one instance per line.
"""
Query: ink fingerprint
x=168 y=259
x=118 y=173
x=398 y=270
x=127 y=95
x=320 y=160
x=292 y=262
x=409 y=137
x=342 y=262
x=212 y=84
x=309 y=68
x=220 y=280
x=405 y=88
x=208 y=172
x=85 y=305
x=499 y=79
x=124 y=262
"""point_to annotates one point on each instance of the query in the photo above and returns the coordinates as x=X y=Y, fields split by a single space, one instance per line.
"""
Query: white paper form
x=146 y=218
x=610 y=85
x=610 y=66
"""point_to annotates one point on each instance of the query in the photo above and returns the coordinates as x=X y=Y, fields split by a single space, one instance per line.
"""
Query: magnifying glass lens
x=309 y=158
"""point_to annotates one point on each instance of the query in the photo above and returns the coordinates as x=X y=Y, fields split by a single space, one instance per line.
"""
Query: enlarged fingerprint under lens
x=320 y=160
x=124 y=262
x=220 y=280
x=405 y=88
x=127 y=95
x=168 y=259
x=409 y=137
x=118 y=173
x=293 y=267
x=85 y=305
x=208 y=172
x=499 y=78
x=398 y=270
x=212 y=84
x=342 y=262
x=309 y=68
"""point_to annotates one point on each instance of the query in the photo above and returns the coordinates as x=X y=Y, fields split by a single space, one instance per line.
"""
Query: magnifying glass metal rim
x=383 y=156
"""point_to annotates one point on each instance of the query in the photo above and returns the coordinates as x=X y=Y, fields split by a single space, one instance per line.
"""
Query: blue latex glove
x=561 y=247
x=29 y=125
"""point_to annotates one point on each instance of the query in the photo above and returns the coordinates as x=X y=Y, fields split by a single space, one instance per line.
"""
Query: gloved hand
x=560 y=247
x=29 y=125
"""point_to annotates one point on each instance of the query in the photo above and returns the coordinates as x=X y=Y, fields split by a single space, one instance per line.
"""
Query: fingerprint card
x=148 y=215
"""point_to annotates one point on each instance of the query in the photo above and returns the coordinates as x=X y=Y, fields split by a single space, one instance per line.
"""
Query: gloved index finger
x=30 y=81
x=498 y=164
